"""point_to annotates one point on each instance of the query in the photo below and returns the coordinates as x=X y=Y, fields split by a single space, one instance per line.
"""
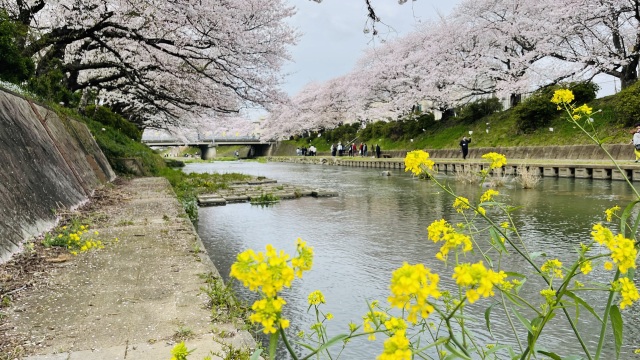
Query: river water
x=377 y=222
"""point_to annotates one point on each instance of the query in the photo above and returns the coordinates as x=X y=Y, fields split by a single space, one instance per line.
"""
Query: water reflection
x=378 y=222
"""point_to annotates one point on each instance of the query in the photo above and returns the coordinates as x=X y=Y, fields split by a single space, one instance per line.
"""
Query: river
x=377 y=222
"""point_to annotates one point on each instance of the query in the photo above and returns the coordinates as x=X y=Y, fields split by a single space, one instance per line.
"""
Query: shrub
x=583 y=91
x=478 y=109
x=105 y=116
x=393 y=130
x=536 y=111
x=50 y=84
x=14 y=67
x=627 y=104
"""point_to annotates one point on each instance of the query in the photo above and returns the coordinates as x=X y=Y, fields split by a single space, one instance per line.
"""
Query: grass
x=265 y=199
x=224 y=304
x=498 y=129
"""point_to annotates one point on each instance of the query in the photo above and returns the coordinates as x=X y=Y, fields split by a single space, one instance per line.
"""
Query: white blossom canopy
x=163 y=61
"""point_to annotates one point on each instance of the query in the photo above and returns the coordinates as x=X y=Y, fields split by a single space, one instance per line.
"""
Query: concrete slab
x=64 y=356
x=141 y=289
x=113 y=353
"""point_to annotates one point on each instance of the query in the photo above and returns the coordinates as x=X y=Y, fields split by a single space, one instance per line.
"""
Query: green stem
x=286 y=343
x=605 y=318
x=273 y=345
x=513 y=328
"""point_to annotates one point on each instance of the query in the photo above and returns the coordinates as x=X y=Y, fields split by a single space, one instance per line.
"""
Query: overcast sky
x=333 y=38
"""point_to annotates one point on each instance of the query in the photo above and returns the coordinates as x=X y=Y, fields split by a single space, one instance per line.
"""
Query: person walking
x=464 y=146
x=636 y=142
x=365 y=149
x=377 y=151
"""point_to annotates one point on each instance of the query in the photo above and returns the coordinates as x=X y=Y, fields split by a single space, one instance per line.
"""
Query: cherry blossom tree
x=162 y=62
x=603 y=35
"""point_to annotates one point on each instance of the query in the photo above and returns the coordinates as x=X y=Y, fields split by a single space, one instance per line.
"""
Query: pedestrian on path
x=636 y=142
x=464 y=146
x=377 y=151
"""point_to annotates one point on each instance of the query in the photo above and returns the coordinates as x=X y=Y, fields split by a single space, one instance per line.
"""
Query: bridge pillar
x=208 y=152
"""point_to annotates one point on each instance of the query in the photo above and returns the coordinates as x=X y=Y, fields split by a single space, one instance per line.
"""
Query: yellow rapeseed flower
x=316 y=298
x=416 y=160
x=488 y=196
x=304 y=259
x=497 y=160
x=623 y=253
x=477 y=279
x=585 y=267
x=179 y=351
x=608 y=265
x=411 y=286
x=562 y=96
x=628 y=292
x=353 y=327
x=397 y=347
x=582 y=111
x=602 y=235
x=441 y=231
x=549 y=295
x=371 y=321
x=461 y=203
x=267 y=312
x=394 y=324
x=553 y=268
x=612 y=211
x=268 y=272
x=480 y=210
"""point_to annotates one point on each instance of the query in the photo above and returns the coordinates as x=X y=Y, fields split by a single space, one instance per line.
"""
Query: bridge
x=208 y=146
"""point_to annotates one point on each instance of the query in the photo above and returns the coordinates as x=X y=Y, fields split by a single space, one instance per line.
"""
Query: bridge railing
x=239 y=139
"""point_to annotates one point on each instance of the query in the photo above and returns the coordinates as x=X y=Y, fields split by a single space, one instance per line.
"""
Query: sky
x=333 y=38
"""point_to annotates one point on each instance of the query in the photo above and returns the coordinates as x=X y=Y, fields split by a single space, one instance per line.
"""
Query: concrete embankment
x=47 y=163
x=132 y=299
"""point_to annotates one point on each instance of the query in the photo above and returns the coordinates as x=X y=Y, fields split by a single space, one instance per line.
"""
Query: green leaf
x=554 y=356
x=616 y=324
x=455 y=352
x=256 y=355
x=435 y=343
x=515 y=274
x=625 y=215
x=537 y=254
x=495 y=235
x=513 y=300
x=523 y=320
x=328 y=344
x=498 y=348
x=273 y=345
x=584 y=304
x=487 y=315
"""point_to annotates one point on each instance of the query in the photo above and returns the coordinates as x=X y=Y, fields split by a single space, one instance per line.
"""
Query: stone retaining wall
x=47 y=163
x=568 y=152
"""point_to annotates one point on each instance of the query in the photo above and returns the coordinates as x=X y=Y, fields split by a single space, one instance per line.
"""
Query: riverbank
x=133 y=299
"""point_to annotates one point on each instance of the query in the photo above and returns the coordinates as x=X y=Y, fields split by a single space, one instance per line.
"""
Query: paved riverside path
x=126 y=301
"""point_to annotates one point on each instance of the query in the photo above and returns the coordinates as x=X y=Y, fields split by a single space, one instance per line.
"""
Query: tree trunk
x=515 y=99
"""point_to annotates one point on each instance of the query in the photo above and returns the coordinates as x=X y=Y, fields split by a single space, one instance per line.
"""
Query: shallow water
x=377 y=222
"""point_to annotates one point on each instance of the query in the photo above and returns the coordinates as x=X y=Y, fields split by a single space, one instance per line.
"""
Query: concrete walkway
x=128 y=300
